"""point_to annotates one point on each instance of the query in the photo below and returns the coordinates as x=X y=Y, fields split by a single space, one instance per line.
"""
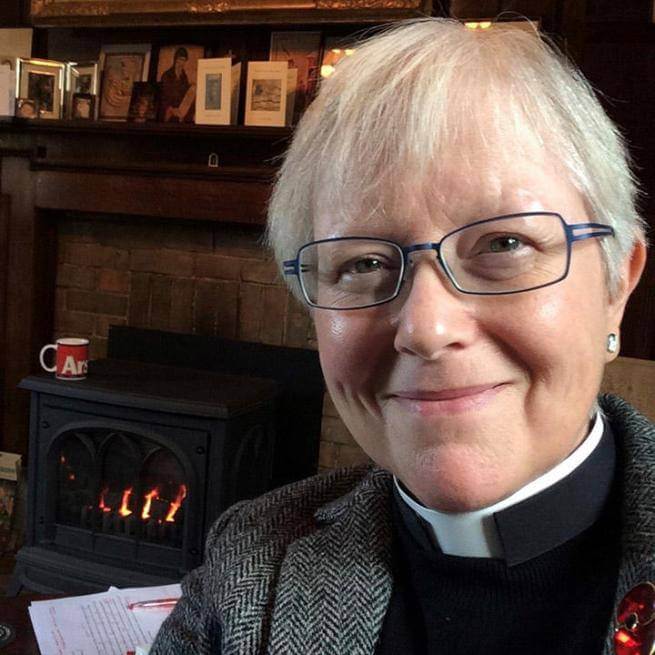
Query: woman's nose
x=434 y=317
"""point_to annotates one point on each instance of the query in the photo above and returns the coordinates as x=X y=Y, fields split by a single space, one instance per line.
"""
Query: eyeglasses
x=494 y=256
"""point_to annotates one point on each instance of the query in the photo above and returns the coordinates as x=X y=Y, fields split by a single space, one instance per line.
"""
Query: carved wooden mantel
x=47 y=168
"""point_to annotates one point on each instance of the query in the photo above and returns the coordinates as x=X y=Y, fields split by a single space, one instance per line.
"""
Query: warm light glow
x=349 y=51
x=175 y=505
x=62 y=460
x=153 y=493
x=474 y=25
x=123 y=511
x=101 y=504
x=326 y=70
x=71 y=476
x=337 y=51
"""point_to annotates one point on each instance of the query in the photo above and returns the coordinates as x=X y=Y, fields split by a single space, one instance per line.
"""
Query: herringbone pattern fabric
x=635 y=436
x=306 y=569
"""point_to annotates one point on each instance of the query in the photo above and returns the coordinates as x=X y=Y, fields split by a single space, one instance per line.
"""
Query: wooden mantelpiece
x=50 y=167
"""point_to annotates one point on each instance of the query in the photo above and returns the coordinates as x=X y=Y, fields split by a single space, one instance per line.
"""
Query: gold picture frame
x=120 y=12
x=42 y=80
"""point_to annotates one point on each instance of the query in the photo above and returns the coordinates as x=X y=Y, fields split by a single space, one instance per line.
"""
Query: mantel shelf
x=178 y=130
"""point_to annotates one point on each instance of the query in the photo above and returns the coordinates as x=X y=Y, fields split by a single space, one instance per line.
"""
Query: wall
x=184 y=277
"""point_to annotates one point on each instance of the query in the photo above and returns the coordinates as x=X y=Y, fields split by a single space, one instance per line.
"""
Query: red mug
x=71 y=360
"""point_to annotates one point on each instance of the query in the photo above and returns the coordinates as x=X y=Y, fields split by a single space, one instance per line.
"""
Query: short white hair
x=410 y=95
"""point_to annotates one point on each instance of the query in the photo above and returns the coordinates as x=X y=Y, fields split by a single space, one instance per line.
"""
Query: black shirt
x=552 y=593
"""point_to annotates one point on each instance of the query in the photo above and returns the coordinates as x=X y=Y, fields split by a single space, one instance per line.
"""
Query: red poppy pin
x=635 y=634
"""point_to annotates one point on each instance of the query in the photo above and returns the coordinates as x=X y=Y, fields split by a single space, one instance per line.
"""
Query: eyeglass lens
x=503 y=255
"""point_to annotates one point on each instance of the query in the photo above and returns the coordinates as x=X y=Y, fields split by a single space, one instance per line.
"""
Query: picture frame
x=121 y=66
x=27 y=108
x=42 y=80
x=301 y=50
x=266 y=93
x=177 y=74
x=218 y=91
x=117 y=12
x=83 y=106
x=81 y=78
x=144 y=103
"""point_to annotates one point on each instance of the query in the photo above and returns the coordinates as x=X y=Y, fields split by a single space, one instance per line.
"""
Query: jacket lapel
x=335 y=584
x=635 y=437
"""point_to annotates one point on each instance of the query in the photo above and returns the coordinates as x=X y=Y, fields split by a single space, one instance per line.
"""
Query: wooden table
x=13 y=611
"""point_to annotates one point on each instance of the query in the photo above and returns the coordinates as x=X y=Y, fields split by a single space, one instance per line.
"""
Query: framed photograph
x=144 y=102
x=266 y=93
x=122 y=66
x=27 y=108
x=301 y=50
x=81 y=78
x=177 y=72
x=83 y=106
x=218 y=91
x=42 y=80
x=121 y=12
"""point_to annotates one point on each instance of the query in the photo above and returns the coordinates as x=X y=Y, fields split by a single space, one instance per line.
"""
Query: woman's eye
x=369 y=265
x=504 y=243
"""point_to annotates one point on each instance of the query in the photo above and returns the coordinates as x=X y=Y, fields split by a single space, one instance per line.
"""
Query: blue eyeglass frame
x=292 y=266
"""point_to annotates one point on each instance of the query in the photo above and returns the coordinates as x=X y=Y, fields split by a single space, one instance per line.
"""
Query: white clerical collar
x=474 y=534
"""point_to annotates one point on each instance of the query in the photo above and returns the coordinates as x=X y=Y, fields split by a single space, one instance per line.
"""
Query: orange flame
x=153 y=493
x=123 y=511
x=175 y=505
x=101 y=504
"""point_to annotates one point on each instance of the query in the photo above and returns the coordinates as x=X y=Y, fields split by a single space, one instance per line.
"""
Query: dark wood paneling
x=619 y=60
x=10 y=13
x=21 y=302
x=156 y=196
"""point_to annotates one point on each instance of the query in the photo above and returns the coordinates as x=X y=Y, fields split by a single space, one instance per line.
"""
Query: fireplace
x=129 y=468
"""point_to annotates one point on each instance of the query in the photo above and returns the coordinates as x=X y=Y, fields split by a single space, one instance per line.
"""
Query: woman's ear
x=631 y=270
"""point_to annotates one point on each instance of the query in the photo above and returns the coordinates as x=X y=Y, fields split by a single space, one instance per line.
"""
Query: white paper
x=99 y=624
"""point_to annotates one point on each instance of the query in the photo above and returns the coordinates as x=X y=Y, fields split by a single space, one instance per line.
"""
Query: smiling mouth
x=446 y=401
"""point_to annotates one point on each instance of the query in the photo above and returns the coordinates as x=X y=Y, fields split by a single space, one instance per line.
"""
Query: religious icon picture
x=143 y=106
x=122 y=66
x=177 y=69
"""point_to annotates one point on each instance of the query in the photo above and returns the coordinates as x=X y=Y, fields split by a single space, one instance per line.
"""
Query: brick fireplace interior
x=187 y=277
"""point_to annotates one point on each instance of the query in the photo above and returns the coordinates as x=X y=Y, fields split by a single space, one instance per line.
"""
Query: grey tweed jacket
x=306 y=569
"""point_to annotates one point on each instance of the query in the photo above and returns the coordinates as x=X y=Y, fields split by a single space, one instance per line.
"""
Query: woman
x=462 y=221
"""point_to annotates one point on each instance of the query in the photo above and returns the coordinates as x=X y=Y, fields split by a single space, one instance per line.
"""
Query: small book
x=266 y=93
x=217 y=101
